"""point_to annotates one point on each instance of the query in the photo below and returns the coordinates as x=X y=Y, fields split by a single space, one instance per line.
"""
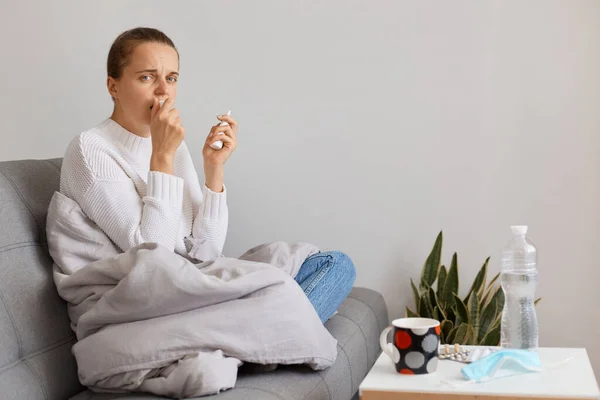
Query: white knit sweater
x=106 y=170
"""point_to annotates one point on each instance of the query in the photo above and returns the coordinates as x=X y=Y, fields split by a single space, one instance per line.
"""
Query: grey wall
x=365 y=126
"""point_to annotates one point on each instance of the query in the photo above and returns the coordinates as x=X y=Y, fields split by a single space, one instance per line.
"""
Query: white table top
x=574 y=379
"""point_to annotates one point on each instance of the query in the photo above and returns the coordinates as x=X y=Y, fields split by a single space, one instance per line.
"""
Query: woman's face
x=152 y=72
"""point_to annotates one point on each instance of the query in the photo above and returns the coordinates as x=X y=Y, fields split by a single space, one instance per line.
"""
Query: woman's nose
x=161 y=86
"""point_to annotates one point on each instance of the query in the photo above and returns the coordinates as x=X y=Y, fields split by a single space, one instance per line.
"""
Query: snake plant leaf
x=492 y=338
x=441 y=281
x=432 y=265
x=451 y=284
x=425 y=306
x=443 y=314
x=493 y=281
x=462 y=314
x=410 y=313
x=481 y=286
x=435 y=302
x=415 y=292
x=421 y=307
x=479 y=282
x=462 y=334
x=450 y=314
x=488 y=315
x=472 y=338
x=489 y=290
x=428 y=304
x=452 y=335
x=436 y=314
x=497 y=321
x=499 y=295
x=474 y=312
x=446 y=326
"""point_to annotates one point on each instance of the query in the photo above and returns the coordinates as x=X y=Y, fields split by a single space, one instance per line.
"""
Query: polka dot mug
x=414 y=348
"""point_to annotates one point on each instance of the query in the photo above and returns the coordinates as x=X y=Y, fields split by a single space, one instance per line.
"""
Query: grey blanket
x=151 y=320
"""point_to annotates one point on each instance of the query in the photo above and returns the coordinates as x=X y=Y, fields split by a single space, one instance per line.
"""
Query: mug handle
x=383 y=342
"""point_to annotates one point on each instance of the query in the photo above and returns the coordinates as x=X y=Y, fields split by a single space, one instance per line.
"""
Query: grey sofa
x=35 y=337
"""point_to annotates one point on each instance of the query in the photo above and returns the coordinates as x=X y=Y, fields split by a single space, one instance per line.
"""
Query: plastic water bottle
x=519 y=278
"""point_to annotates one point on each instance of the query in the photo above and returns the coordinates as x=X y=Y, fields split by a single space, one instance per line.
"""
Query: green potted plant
x=474 y=320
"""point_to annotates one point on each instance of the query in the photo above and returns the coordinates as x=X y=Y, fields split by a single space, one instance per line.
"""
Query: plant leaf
x=479 y=282
x=494 y=279
x=450 y=314
x=537 y=301
x=410 y=313
x=436 y=304
x=489 y=290
x=421 y=307
x=462 y=314
x=415 y=292
x=446 y=326
x=425 y=307
x=432 y=265
x=499 y=295
x=462 y=334
x=497 y=321
x=441 y=281
x=487 y=318
x=474 y=312
x=436 y=313
x=498 y=298
x=451 y=284
x=428 y=304
x=467 y=298
x=452 y=335
x=481 y=285
x=492 y=338
x=443 y=315
x=471 y=337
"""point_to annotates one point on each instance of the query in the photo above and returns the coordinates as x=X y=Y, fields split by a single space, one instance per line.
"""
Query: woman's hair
x=126 y=42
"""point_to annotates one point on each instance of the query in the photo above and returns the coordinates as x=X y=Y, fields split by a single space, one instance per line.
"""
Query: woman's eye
x=172 y=79
x=146 y=76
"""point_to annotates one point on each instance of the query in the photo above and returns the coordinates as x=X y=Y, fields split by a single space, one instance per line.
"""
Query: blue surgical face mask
x=502 y=363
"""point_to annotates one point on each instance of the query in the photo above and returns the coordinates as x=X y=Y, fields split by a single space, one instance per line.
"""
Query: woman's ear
x=111 y=85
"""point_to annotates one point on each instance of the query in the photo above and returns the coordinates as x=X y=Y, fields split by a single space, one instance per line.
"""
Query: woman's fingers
x=217 y=130
x=231 y=121
x=167 y=106
x=227 y=118
x=225 y=137
x=227 y=140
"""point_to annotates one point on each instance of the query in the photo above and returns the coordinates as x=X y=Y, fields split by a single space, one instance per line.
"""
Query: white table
x=572 y=380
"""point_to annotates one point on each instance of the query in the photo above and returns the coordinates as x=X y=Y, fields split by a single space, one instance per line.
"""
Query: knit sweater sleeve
x=92 y=176
x=211 y=214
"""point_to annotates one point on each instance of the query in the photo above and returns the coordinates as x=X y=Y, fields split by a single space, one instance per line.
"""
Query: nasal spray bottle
x=218 y=145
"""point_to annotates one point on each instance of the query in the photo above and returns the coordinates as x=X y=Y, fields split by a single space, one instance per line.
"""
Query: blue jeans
x=327 y=279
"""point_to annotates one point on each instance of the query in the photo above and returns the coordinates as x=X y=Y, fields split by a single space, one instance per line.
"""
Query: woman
x=134 y=177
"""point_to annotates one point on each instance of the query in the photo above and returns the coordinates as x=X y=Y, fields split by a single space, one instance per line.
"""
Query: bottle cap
x=520 y=230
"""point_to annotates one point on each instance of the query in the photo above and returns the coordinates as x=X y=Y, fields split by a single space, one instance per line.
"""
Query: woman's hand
x=227 y=134
x=167 y=134
x=214 y=160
